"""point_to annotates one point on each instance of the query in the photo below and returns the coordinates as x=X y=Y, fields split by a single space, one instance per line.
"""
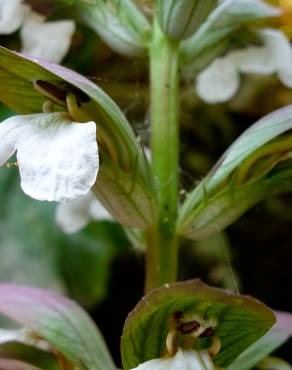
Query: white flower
x=57 y=158
x=47 y=40
x=220 y=81
x=12 y=15
x=74 y=216
x=183 y=360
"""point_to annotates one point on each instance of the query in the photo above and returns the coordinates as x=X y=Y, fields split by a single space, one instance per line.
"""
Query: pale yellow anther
x=215 y=347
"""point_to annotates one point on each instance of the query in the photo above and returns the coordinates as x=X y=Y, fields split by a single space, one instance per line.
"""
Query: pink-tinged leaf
x=60 y=321
x=284 y=322
x=210 y=202
x=8 y=364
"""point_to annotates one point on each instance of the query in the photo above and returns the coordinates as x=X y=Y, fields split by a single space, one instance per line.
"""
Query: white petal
x=47 y=40
x=58 y=159
x=98 y=212
x=9 y=335
x=275 y=56
x=218 y=82
x=12 y=14
x=253 y=59
x=25 y=336
x=183 y=360
x=280 y=47
x=75 y=215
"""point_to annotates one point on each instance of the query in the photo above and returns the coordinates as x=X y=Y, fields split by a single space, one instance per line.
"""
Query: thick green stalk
x=161 y=260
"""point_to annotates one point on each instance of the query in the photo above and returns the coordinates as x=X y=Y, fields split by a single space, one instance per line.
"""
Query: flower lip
x=186 y=360
x=58 y=158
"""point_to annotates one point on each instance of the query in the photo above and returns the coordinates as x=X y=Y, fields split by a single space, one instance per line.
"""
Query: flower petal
x=183 y=360
x=75 y=215
x=23 y=335
x=218 y=82
x=58 y=159
x=280 y=48
x=253 y=59
x=274 y=57
x=12 y=14
x=47 y=40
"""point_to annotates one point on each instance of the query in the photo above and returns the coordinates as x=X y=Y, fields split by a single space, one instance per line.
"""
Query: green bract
x=215 y=35
x=40 y=81
x=241 y=320
x=118 y=23
x=180 y=19
x=245 y=174
x=61 y=322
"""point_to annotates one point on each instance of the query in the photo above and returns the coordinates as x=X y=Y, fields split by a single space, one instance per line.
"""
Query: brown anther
x=178 y=315
x=215 y=347
x=207 y=333
x=189 y=327
x=51 y=91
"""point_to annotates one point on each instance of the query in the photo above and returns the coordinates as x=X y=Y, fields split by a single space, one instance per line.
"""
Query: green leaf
x=60 y=321
x=125 y=196
x=241 y=320
x=220 y=199
x=213 y=37
x=19 y=75
x=180 y=19
x=275 y=337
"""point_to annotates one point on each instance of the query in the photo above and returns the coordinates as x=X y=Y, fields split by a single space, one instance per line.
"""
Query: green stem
x=162 y=248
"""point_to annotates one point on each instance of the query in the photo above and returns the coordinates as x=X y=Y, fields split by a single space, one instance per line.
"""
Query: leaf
x=213 y=37
x=242 y=320
x=18 y=73
x=274 y=338
x=15 y=351
x=180 y=19
x=124 y=196
x=123 y=29
x=58 y=320
x=230 y=197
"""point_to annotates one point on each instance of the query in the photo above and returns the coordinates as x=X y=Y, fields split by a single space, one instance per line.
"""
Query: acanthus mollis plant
x=71 y=138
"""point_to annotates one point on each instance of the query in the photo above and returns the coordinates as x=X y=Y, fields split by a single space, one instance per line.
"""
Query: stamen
x=78 y=114
x=81 y=115
x=172 y=336
x=48 y=106
x=215 y=347
x=50 y=91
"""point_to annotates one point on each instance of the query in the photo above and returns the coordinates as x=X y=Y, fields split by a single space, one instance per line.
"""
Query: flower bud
x=180 y=19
